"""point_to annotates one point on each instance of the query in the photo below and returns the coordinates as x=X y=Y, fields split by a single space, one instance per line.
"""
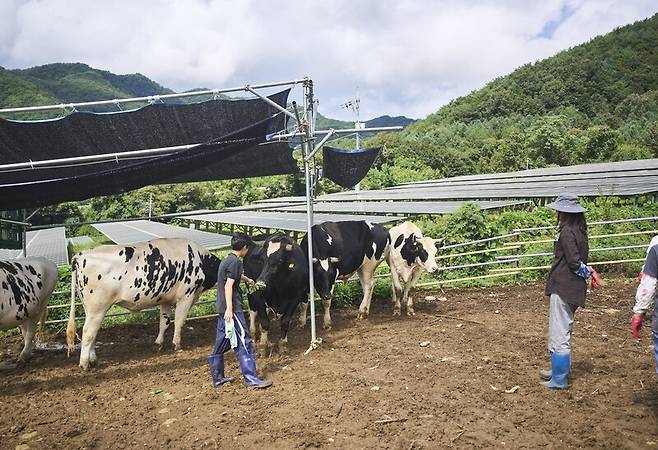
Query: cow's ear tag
x=291 y=266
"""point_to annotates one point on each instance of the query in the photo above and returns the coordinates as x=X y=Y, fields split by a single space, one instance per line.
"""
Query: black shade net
x=347 y=167
x=154 y=126
x=234 y=147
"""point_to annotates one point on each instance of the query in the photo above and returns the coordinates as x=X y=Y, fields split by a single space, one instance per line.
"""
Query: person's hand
x=228 y=316
x=636 y=324
x=640 y=275
x=596 y=278
x=249 y=281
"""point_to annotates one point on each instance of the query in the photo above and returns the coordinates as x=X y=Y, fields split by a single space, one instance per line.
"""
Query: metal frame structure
x=305 y=130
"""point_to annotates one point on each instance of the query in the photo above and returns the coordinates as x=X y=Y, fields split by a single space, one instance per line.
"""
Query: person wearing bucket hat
x=566 y=285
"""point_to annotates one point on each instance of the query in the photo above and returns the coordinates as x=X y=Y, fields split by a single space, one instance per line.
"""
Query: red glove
x=636 y=325
x=596 y=279
x=640 y=275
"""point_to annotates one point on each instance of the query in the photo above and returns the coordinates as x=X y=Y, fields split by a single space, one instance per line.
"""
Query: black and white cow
x=278 y=262
x=162 y=272
x=339 y=250
x=25 y=287
x=408 y=255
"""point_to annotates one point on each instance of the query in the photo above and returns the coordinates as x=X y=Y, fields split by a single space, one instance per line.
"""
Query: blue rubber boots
x=558 y=376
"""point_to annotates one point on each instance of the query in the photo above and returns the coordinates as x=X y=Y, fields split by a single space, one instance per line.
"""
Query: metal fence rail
x=506 y=242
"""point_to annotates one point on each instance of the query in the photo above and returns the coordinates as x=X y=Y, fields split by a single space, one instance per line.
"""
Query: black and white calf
x=25 y=288
x=339 y=250
x=162 y=272
x=278 y=262
x=408 y=255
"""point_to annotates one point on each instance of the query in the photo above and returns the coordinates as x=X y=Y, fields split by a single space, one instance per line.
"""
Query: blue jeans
x=223 y=344
x=654 y=328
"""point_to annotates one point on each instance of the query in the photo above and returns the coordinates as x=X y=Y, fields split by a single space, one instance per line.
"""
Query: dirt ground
x=450 y=393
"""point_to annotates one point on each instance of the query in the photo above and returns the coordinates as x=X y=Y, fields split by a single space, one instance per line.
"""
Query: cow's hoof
x=84 y=367
x=362 y=315
x=283 y=349
x=327 y=326
x=396 y=312
x=410 y=312
x=9 y=365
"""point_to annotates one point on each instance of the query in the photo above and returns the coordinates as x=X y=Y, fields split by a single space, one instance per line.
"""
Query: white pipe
x=270 y=102
x=136 y=153
x=342 y=131
x=96 y=158
x=308 y=103
x=150 y=98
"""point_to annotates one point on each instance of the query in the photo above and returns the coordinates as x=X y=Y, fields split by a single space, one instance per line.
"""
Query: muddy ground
x=370 y=385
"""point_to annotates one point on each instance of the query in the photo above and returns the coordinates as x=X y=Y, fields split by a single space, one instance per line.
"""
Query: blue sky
x=405 y=57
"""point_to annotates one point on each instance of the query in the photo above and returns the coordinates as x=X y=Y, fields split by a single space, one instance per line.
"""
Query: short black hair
x=238 y=242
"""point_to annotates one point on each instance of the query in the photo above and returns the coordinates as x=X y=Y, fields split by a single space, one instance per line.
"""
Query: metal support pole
x=308 y=143
x=269 y=102
x=24 y=234
x=320 y=144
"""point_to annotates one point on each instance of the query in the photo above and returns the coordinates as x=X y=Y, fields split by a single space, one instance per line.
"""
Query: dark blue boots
x=559 y=374
x=247 y=362
x=216 y=365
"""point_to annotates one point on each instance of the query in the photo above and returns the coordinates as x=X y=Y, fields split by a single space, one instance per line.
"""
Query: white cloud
x=406 y=57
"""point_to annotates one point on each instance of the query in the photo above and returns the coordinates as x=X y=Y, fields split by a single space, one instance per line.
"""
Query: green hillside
x=66 y=83
x=594 y=102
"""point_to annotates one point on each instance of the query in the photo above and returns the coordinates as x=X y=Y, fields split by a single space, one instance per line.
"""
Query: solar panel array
x=49 y=243
x=603 y=169
x=410 y=208
x=288 y=221
x=624 y=178
x=133 y=232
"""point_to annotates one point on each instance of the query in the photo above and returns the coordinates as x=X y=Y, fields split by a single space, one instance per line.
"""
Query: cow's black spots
x=91 y=291
x=137 y=297
x=4 y=286
x=99 y=276
x=31 y=269
x=120 y=252
x=398 y=241
x=422 y=253
x=84 y=263
x=85 y=280
x=39 y=284
x=409 y=250
x=8 y=267
x=129 y=253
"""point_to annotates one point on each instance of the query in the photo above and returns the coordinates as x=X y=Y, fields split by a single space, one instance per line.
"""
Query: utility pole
x=354 y=105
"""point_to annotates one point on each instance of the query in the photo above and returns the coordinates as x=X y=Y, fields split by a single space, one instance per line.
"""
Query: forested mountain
x=324 y=123
x=66 y=83
x=594 y=102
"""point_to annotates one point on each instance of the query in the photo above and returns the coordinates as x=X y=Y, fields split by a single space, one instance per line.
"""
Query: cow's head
x=325 y=273
x=277 y=256
x=421 y=251
x=210 y=267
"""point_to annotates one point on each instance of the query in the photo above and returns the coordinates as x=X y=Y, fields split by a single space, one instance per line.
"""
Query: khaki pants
x=560 y=324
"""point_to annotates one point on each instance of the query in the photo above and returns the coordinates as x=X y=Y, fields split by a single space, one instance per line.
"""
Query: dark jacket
x=569 y=250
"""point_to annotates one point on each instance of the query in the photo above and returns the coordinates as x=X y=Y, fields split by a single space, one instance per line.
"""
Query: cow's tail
x=70 y=327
